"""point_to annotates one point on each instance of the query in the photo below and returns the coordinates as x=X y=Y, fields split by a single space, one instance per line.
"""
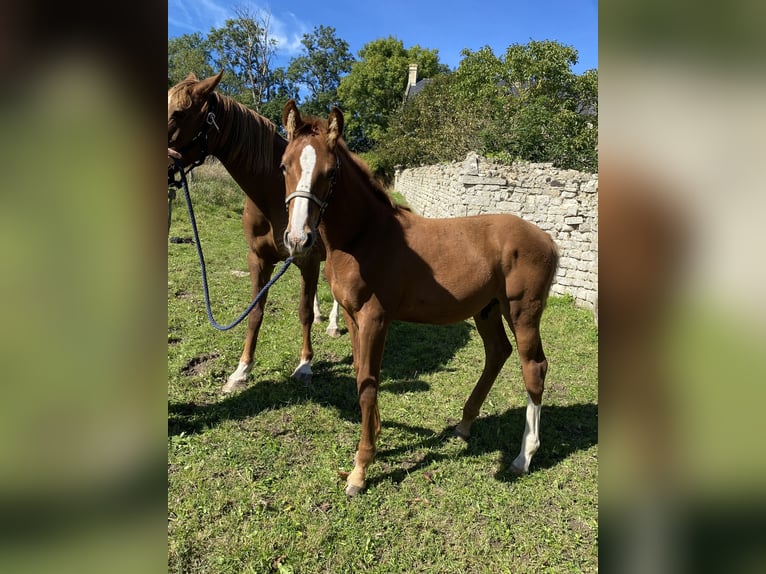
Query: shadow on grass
x=564 y=430
x=335 y=391
x=411 y=350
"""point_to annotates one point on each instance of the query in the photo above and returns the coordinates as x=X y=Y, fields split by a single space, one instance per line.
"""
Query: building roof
x=413 y=90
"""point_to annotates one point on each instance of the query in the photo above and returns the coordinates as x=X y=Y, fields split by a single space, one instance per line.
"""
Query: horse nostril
x=309 y=239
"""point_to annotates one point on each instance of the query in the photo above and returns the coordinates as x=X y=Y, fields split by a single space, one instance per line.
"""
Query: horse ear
x=334 y=126
x=205 y=87
x=291 y=119
x=191 y=77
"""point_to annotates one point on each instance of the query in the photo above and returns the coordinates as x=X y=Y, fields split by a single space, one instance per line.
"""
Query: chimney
x=413 y=75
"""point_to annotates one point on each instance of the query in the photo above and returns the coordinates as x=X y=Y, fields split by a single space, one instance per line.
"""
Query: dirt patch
x=579 y=526
x=183 y=294
x=199 y=365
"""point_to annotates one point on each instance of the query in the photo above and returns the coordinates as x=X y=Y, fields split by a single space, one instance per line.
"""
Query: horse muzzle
x=299 y=243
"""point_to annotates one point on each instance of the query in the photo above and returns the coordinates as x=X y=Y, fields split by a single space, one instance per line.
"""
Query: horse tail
x=555 y=257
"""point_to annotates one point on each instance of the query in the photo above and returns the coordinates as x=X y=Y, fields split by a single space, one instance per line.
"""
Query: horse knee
x=306 y=314
x=368 y=396
x=534 y=379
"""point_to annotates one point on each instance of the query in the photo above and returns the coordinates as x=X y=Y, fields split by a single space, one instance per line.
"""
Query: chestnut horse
x=385 y=263
x=203 y=122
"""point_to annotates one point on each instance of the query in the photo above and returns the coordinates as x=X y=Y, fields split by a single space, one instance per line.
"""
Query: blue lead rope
x=261 y=293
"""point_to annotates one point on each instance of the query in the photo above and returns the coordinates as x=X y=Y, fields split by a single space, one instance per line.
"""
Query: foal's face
x=309 y=170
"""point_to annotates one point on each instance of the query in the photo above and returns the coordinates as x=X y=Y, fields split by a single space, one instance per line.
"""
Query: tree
x=319 y=69
x=244 y=48
x=375 y=86
x=189 y=53
x=528 y=105
x=281 y=90
x=548 y=113
x=433 y=127
x=540 y=110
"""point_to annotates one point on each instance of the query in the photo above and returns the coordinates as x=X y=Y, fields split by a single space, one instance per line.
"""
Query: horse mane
x=248 y=135
x=364 y=172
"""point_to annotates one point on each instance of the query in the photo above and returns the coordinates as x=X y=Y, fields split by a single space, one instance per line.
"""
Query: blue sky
x=434 y=24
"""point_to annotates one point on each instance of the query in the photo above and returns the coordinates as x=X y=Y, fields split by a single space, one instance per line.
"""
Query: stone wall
x=563 y=202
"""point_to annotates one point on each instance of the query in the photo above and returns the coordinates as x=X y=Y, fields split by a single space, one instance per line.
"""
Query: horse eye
x=282 y=167
x=331 y=173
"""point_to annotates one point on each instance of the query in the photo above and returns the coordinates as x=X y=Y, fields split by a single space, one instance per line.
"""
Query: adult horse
x=202 y=122
x=385 y=263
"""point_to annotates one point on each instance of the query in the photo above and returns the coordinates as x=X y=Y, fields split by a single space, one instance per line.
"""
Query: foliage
x=431 y=128
x=244 y=48
x=528 y=105
x=319 y=69
x=375 y=86
x=282 y=90
x=253 y=481
x=546 y=113
x=187 y=54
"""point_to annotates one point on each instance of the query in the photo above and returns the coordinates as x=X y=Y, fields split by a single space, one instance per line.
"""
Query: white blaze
x=300 y=214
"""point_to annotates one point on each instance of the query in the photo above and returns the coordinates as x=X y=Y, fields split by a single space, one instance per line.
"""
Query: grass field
x=254 y=479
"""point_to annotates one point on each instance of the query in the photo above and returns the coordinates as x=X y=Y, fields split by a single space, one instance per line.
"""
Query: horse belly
x=443 y=303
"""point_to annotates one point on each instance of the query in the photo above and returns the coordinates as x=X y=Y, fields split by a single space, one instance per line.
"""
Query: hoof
x=334 y=333
x=301 y=377
x=462 y=434
x=353 y=490
x=518 y=471
x=234 y=385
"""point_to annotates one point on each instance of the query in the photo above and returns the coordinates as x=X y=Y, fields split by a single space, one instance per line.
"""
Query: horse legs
x=352 y=335
x=497 y=349
x=332 y=328
x=317 y=310
x=533 y=367
x=260 y=273
x=309 y=280
x=369 y=339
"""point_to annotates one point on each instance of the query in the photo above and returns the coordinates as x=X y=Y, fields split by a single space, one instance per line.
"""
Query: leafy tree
x=319 y=69
x=189 y=53
x=375 y=87
x=478 y=78
x=433 y=127
x=281 y=90
x=244 y=48
x=547 y=112
x=527 y=105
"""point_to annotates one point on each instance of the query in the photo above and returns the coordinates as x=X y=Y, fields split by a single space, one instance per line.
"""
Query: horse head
x=309 y=165
x=190 y=116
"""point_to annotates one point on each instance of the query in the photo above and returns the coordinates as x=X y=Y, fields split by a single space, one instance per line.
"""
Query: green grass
x=253 y=479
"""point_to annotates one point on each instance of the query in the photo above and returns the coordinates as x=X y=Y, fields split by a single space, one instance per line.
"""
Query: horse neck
x=354 y=208
x=253 y=174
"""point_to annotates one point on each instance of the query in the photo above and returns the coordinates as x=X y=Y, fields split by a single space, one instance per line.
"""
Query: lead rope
x=193 y=221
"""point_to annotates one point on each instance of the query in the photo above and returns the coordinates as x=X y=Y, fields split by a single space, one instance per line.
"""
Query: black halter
x=201 y=139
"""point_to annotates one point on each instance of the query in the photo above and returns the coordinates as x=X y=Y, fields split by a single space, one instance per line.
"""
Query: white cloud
x=187 y=16
x=288 y=34
x=198 y=15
